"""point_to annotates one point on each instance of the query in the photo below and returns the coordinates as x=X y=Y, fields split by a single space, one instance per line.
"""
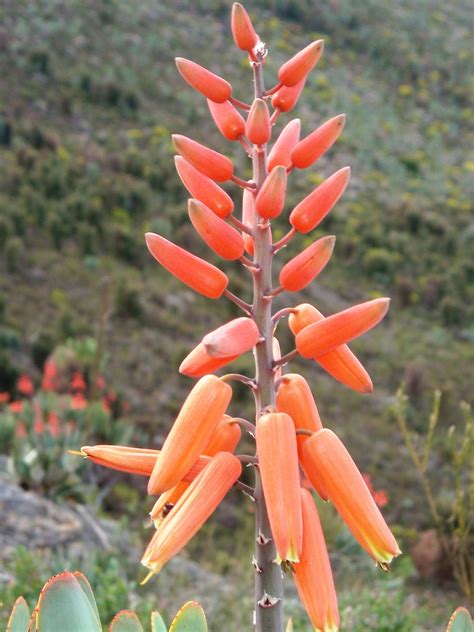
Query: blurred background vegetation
x=89 y=96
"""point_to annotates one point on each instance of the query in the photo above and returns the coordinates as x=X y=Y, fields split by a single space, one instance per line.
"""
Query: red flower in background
x=379 y=495
x=78 y=401
x=78 y=382
x=4 y=397
x=25 y=385
x=54 y=425
x=16 y=406
x=48 y=382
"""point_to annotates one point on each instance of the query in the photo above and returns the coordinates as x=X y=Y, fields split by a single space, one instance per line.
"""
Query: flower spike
x=218 y=235
x=209 y=162
x=278 y=464
x=341 y=363
x=229 y=122
x=191 y=270
x=328 y=459
x=204 y=81
x=305 y=267
x=323 y=336
x=243 y=31
x=300 y=65
x=313 y=575
x=191 y=432
x=192 y=510
x=203 y=188
x=313 y=209
x=280 y=153
x=317 y=143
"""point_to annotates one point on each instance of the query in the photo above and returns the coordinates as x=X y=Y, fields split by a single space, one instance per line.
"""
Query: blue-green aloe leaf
x=19 y=617
x=157 y=623
x=89 y=593
x=190 y=618
x=125 y=621
x=460 y=621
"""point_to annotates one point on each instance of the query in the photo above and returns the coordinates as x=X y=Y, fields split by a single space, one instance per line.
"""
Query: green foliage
x=67 y=602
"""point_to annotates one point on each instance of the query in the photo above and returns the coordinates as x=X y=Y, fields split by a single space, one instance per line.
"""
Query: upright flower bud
x=248 y=218
x=203 y=188
x=198 y=362
x=233 y=338
x=317 y=143
x=327 y=458
x=271 y=197
x=341 y=363
x=191 y=270
x=204 y=81
x=190 y=432
x=300 y=65
x=278 y=463
x=258 y=127
x=285 y=98
x=133 y=460
x=229 y=122
x=313 y=209
x=305 y=267
x=218 y=235
x=209 y=162
x=281 y=150
x=313 y=575
x=323 y=336
x=243 y=31
x=192 y=510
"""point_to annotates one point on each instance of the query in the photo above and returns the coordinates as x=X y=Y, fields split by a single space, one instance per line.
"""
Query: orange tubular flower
x=328 y=459
x=305 y=267
x=281 y=150
x=229 y=122
x=198 y=362
x=300 y=65
x=278 y=464
x=285 y=98
x=209 y=162
x=204 y=81
x=248 y=218
x=313 y=209
x=341 y=363
x=317 y=143
x=258 y=127
x=190 y=433
x=243 y=31
x=294 y=398
x=133 y=460
x=191 y=270
x=192 y=510
x=323 y=336
x=234 y=338
x=203 y=188
x=225 y=439
x=271 y=197
x=313 y=575
x=218 y=235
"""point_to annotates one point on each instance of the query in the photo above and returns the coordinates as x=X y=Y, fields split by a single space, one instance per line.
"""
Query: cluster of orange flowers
x=197 y=466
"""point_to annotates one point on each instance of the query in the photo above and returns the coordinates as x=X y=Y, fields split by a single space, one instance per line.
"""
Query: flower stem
x=268 y=575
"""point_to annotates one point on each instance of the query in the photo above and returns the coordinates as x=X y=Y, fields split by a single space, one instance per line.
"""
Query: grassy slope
x=91 y=96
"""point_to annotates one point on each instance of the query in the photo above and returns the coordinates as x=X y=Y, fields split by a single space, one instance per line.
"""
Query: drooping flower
x=328 y=459
x=223 y=239
x=278 y=465
x=190 y=433
x=228 y=120
x=203 y=188
x=313 y=575
x=285 y=98
x=232 y=339
x=209 y=162
x=192 y=510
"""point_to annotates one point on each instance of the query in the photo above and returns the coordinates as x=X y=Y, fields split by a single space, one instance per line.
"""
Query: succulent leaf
x=157 y=623
x=460 y=621
x=125 y=621
x=19 y=617
x=289 y=625
x=190 y=618
x=87 y=590
x=63 y=605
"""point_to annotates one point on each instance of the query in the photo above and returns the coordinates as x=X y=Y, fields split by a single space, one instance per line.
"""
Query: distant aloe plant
x=66 y=603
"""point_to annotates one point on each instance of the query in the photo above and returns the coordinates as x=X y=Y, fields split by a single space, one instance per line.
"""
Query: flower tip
x=340 y=120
